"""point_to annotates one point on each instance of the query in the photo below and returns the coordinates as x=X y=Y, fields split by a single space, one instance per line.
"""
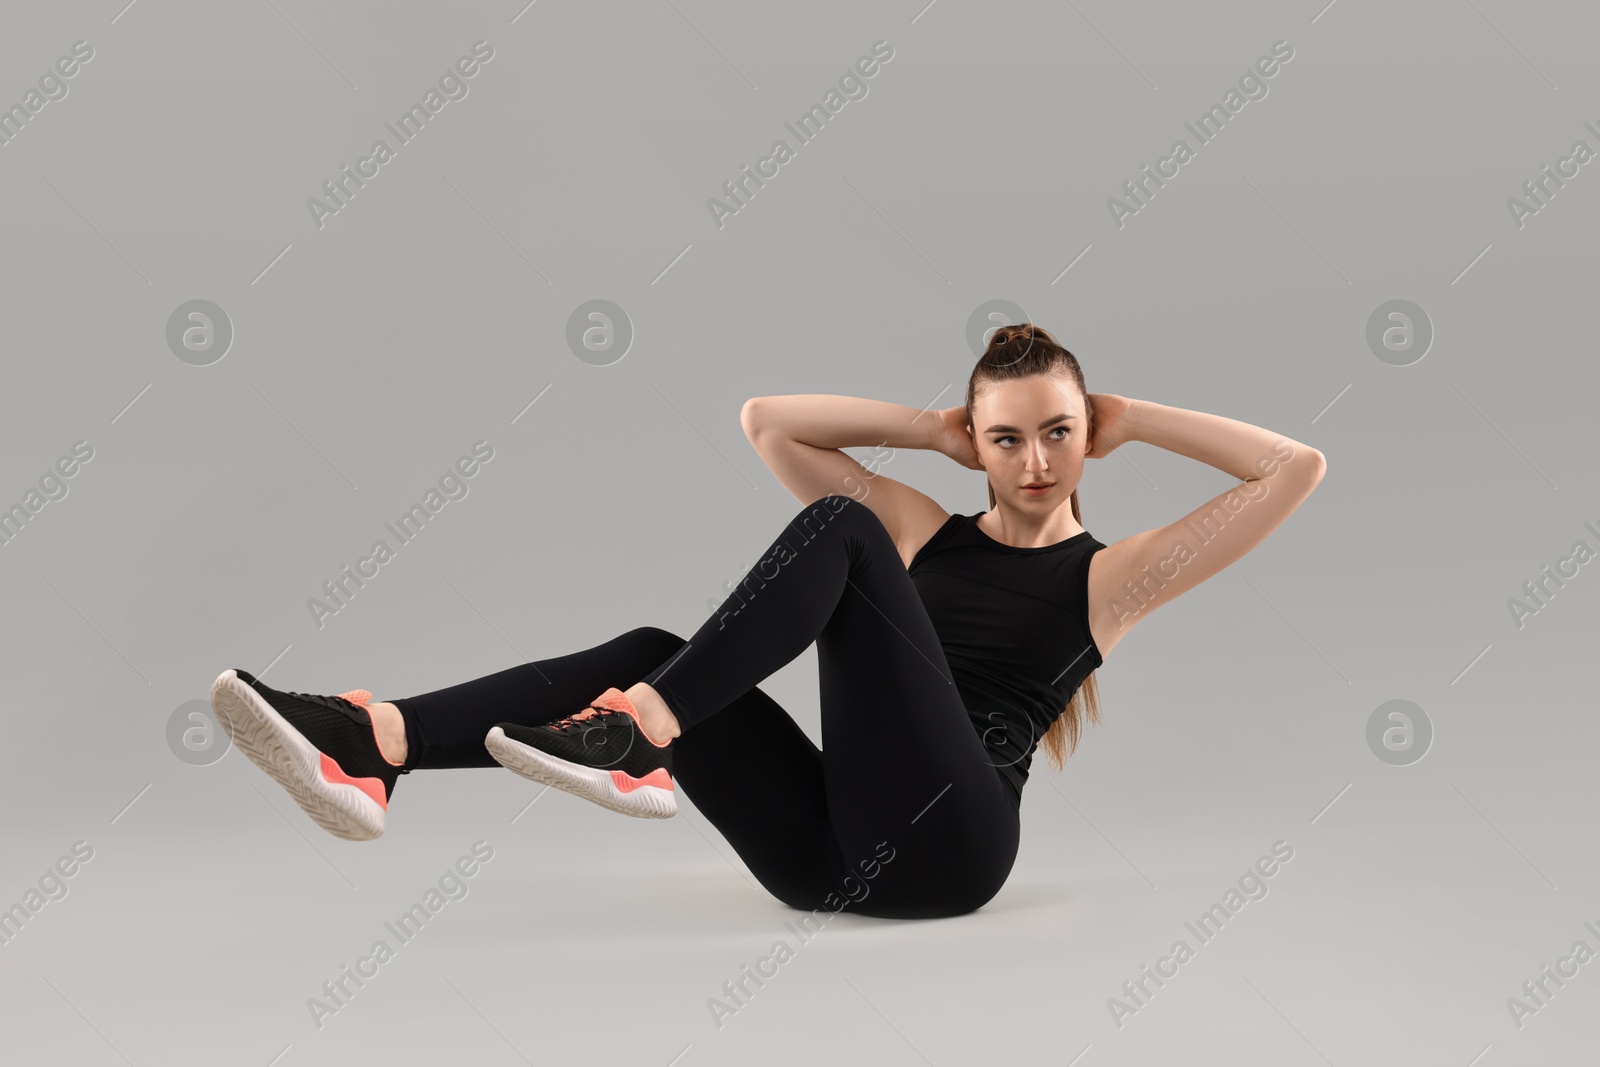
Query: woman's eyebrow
x=1047 y=422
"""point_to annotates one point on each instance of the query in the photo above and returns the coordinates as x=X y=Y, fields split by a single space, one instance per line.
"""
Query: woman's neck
x=1011 y=527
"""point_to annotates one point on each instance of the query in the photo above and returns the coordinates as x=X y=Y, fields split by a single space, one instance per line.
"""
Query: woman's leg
x=756 y=749
x=445 y=728
x=903 y=772
x=902 y=814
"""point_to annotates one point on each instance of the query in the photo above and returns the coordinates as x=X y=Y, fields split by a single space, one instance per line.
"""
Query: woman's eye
x=1001 y=441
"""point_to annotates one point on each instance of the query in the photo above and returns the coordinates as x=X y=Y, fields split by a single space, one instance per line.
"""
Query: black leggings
x=901 y=814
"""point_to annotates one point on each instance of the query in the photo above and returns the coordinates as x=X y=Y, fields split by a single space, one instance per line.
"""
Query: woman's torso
x=1014 y=626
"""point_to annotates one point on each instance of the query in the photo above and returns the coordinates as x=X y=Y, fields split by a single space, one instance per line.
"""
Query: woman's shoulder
x=940 y=535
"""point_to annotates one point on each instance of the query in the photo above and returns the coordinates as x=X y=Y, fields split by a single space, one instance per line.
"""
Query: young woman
x=949 y=648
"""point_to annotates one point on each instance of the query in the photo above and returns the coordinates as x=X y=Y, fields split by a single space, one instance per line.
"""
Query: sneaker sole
x=271 y=743
x=641 y=800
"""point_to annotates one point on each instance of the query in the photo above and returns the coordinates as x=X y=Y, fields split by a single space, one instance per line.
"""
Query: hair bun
x=1024 y=331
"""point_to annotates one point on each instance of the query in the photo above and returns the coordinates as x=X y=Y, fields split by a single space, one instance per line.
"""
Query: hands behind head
x=1110 y=423
x=954 y=440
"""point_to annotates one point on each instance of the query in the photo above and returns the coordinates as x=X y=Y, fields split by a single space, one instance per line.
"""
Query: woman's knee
x=840 y=513
x=653 y=640
x=831 y=505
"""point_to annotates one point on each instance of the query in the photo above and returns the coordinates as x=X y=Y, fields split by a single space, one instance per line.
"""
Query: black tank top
x=1014 y=625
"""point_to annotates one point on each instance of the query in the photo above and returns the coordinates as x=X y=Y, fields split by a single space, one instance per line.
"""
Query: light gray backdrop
x=434 y=310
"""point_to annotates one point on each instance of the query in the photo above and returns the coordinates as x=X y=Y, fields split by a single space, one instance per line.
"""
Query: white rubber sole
x=590 y=783
x=268 y=741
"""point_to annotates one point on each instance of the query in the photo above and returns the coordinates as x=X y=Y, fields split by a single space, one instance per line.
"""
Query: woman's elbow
x=1309 y=464
x=1319 y=464
x=749 y=416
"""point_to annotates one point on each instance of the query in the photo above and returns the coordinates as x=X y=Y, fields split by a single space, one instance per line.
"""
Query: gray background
x=433 y=309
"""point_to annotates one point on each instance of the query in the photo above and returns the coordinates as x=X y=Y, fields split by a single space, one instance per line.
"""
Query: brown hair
x=1023 y=351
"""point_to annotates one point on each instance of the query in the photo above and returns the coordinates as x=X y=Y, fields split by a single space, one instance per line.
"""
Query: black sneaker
x=601 y=754
x=322 y=749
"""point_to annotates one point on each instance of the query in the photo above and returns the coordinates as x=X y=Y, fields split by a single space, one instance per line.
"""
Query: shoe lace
x=583 y=718
x=354 y=697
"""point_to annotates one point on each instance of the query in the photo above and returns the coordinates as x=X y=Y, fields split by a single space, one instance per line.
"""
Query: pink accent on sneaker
x=361 y=698
x=616 y=700
x=332 y=772
x=627 y=783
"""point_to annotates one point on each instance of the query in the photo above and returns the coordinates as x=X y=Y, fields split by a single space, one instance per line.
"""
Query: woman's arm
x=1231 y=446
x=843 y=421
x=1138 y=574
x=799 y=437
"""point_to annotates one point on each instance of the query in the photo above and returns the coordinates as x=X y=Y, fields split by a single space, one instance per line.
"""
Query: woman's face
x=1031 y=431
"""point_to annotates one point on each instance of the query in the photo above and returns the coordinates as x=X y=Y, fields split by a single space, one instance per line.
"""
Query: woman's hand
x=954 y=440
x=1110 y=423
